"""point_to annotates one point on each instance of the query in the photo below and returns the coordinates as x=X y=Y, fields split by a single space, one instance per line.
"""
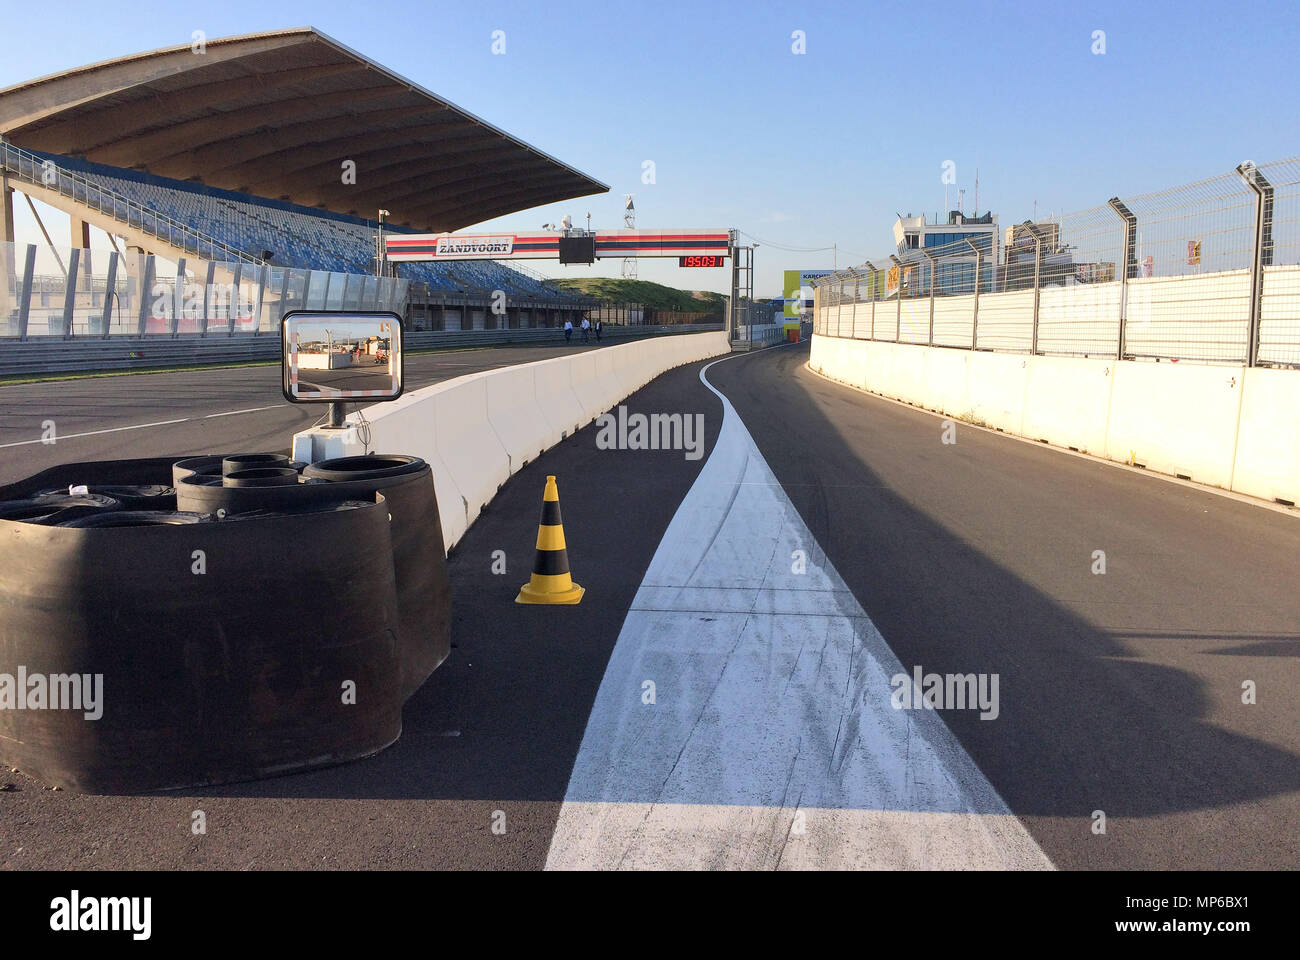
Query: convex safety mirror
x=329 y=357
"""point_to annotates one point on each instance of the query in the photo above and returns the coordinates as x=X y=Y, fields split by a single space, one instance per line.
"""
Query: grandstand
x=233 y=156
x=283 y=234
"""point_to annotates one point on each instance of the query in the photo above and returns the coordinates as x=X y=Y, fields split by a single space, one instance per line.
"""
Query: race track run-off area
x=726 y=694
x=744 y=720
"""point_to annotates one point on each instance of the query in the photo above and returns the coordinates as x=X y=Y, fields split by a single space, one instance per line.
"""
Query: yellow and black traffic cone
x=550 y=582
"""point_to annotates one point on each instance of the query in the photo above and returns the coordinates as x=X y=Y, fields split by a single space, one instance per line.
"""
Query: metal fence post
x=933 y=279
x=873 y=281
x=1038 y=269
x=898 y=316
x=857 y=287
x=1128 y=272
x=1261 y=254
x=975 y=310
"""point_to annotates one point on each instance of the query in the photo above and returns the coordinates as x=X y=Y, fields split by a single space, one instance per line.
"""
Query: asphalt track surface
x=496 y=728
x=191 y=412
x=1119 y=692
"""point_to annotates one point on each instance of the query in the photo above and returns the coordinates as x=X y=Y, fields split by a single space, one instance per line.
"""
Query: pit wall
x=1233 y=427
x=476 y=431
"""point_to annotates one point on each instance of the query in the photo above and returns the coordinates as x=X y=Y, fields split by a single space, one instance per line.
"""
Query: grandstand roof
x=275 y=115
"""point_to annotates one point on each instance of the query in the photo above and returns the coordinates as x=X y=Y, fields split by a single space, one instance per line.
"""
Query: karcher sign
x=799 y=294
x=501 y=245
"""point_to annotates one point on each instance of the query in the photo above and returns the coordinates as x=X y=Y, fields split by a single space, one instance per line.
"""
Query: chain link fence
x=1209 y=272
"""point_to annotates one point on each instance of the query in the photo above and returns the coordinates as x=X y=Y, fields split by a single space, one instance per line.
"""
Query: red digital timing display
x=701 y=261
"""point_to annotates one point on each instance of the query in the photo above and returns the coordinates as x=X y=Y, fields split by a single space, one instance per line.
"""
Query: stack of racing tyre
x=240 y=616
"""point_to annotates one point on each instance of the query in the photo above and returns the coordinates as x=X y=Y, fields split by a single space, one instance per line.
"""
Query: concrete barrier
x=1179 y=419
x=477 y=430
x=1225 y=426
x=516 y=417
x=555 y=397
x=467 y=442
x=1067 y=401
x=585 y=381
x=1268 y=443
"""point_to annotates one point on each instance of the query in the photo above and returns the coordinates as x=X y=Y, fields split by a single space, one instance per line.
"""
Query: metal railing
x=1209 y=272
x=43 y=172
x=68 y=293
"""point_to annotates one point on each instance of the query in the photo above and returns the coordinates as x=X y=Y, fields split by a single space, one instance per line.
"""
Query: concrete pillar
x=81 y=241
x=6 y=209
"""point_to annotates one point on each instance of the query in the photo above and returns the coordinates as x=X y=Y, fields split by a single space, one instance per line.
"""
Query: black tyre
x=248 y=461
x=152 y=496
x=372 y=467
x=54 y=508
x=261 y=477
x=135 y=518
x=206 y=466
x=226 y=649
x=419 y=559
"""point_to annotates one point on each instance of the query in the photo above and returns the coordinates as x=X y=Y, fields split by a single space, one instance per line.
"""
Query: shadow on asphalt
x=1086 y=723
x=503 y=718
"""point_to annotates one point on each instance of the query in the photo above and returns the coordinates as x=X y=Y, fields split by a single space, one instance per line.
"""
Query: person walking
x=568 y=330
x=598 y=329
x=586 y=328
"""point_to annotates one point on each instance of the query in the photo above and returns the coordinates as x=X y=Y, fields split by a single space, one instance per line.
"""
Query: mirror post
x=336 y=414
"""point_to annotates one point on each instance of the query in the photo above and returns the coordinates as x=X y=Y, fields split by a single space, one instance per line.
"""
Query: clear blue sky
x=799 y=150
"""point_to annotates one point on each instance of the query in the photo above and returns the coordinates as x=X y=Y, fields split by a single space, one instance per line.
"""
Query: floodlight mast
x=629 y=221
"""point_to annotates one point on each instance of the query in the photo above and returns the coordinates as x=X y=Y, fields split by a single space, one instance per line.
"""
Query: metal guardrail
x=42 y=172
x=37 y=357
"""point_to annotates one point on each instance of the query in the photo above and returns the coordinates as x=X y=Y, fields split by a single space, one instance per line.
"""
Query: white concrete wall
x=1227 y=426
x=477 y=430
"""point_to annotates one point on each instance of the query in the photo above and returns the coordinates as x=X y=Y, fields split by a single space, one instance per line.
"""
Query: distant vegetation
x=644 y=292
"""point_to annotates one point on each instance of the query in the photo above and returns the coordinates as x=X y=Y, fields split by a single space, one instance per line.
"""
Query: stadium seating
x=312 y=241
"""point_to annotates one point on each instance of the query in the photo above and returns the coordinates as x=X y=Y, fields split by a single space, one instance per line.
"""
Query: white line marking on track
x=137 y=426
x=772 y=742
x=93 y=433
x=231 y=413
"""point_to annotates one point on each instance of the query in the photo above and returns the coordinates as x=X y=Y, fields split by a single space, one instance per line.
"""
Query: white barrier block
x=1066 y=402
x=468 y=444
x=607 y=377
x=1177 y=418
x=944 y=381
x=406 y=426
x=515 y=415
x=555 y=396
x=1268 y=447
x=586 y=385
x=996 y=389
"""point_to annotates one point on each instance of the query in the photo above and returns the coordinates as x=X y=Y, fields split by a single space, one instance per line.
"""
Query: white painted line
x=138 y=426
x=772 y=742
x=94 y=433
x=231 y=413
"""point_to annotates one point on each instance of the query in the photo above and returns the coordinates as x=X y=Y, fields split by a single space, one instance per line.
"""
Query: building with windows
x=956 y=273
